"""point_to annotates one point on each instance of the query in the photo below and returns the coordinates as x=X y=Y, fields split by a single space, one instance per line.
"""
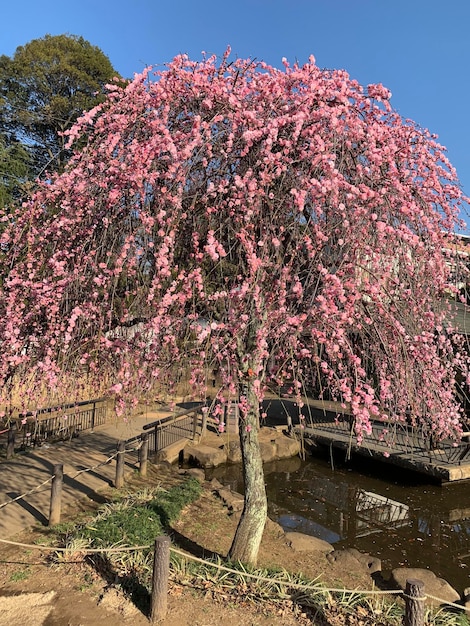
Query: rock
x=433 y=586
x=233 y=452
x=268 y=451
x=286 y=447
x=197 y=473
x=171 y=453
x=351 y=560
x=215 y=484
x=307 y=543
x=204 y=456
x=234 y=501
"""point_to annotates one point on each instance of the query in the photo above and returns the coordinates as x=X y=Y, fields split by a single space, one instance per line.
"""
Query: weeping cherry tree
x=285 y=226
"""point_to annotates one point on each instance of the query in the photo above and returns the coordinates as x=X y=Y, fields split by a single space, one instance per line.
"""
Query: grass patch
x=133 y=519
x=169 y=504
x=19 y=575
x=139 y=518
x=135 y=525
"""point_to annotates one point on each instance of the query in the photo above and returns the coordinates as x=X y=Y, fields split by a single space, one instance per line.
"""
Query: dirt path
x=34 y=467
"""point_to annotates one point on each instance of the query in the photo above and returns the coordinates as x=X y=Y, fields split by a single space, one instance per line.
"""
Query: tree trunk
x=247 y=540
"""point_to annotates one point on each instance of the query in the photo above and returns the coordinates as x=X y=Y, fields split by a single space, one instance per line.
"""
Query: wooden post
x=93 y=416
x=56 y=494
x=204 y=421
x=289 y=424
x=11 y=441
x=144 y=454
x=414 y=602
x=161 y=571
x=119 y=481
x=158 y=438
x=232 y=417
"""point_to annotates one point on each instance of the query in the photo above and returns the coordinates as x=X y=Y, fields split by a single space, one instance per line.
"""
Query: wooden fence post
x=144 y=455
x=204 y=421
x=120 y=459
x=93 y=416
x=56 y=494
x=156 y=439
x=161 y=571
x=414 y=602
x=11 y=441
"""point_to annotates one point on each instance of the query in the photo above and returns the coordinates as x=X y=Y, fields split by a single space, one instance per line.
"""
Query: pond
x=397 y=516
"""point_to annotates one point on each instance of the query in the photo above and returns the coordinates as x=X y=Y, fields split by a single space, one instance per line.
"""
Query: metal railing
x=32 y=429
x=399 y=438
x=169 y=430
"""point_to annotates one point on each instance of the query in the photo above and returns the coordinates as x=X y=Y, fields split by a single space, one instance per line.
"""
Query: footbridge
x=327 y=424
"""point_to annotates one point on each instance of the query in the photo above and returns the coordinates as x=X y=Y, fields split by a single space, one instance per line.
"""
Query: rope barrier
x=452 y=604
x=42 y=547
x=90 y=469
x=87 y=469
x=313 y=587
x=27 y=493
x=302 y=587
x=82 y=471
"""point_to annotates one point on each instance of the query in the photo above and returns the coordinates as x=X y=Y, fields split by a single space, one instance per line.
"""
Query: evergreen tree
x=14 y=171
x=44 y=87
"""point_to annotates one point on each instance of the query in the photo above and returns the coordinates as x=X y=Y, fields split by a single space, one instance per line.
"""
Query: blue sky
x=420 y=49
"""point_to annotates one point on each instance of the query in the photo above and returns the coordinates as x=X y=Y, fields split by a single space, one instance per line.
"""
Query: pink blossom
x=293 y=211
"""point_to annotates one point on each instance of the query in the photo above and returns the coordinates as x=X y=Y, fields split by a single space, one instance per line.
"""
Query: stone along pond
x=397 y=516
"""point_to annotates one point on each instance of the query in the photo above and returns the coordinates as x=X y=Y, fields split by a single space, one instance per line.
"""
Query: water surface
x=397 y=516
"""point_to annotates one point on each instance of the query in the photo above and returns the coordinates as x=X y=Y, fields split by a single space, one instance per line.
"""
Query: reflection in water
x=375 y=508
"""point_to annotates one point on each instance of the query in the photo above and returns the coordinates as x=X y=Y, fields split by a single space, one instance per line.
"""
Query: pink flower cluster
x=285 y=226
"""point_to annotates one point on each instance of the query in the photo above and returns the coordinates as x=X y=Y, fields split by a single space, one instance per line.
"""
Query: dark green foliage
x=139 y=524
x=14 y=171
x=169 y=505
x=44 y=87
